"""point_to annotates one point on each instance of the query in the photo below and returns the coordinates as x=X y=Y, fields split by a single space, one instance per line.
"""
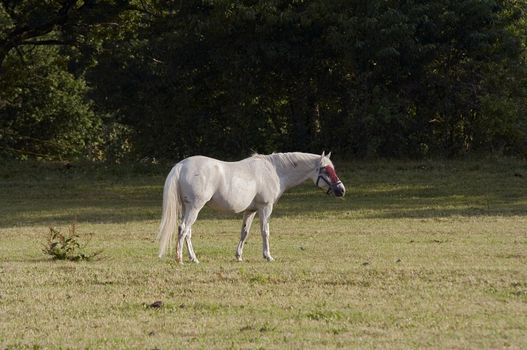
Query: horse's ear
x=323 y=154
x=329 y=155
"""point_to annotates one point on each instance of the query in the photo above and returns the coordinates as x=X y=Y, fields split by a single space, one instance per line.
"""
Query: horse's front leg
x=265 y=215
x=248 y=217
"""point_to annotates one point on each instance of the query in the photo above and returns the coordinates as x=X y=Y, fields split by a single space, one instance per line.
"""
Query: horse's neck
x=296 y=170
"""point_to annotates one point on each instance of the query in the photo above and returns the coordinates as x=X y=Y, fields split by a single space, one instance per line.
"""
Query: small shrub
x=68 y=246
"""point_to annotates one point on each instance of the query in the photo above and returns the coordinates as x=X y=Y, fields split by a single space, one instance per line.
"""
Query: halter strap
x=335 y=181
x=326 y=181
x=332 y=175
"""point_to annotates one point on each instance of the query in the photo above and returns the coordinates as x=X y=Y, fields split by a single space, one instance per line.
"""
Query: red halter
x=332 y=174
x=335 y=181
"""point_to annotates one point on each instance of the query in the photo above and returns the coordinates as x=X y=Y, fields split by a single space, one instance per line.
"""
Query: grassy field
x=419 y=255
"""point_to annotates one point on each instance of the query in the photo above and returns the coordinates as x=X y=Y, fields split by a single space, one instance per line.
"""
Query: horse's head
x=326 y=177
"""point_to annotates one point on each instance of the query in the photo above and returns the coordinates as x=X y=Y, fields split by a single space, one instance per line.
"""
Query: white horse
x=251 y=185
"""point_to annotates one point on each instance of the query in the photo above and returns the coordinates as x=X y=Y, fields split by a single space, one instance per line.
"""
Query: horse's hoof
x=239 y=258
x=195 y=261
x=269 y=258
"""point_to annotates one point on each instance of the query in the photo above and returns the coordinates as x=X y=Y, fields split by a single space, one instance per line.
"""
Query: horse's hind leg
x=248 y=217
x=185 y=232
x=191 y=253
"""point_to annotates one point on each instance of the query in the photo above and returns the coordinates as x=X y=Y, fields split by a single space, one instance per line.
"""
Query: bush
x=67 y=246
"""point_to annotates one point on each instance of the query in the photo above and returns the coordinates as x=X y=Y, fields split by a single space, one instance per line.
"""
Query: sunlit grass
x=417 y=255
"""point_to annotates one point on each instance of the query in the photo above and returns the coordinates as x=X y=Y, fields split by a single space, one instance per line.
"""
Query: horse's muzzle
x=338 y=189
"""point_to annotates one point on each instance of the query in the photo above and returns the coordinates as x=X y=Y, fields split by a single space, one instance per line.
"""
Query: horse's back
x=232 y=186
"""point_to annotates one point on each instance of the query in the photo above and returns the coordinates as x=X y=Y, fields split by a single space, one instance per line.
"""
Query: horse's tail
x=171 y=206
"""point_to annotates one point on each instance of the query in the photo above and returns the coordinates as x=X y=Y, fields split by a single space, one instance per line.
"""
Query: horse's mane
x=286 y=160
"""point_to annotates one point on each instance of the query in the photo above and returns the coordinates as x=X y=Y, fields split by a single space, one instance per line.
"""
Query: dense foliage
x=150 y=78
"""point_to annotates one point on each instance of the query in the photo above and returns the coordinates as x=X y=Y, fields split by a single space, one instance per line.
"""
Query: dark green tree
x=363 y=78
x=45 y=48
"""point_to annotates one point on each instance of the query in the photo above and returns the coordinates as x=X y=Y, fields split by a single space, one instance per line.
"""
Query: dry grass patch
x=418 y=255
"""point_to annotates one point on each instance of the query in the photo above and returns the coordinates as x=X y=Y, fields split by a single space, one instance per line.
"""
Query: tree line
x=127 y=79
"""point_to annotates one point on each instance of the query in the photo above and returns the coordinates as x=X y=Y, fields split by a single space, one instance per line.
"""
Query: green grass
x=418 y=255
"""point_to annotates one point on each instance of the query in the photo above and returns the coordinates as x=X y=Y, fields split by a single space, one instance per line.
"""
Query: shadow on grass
x=405 y=203
x=377 y=190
